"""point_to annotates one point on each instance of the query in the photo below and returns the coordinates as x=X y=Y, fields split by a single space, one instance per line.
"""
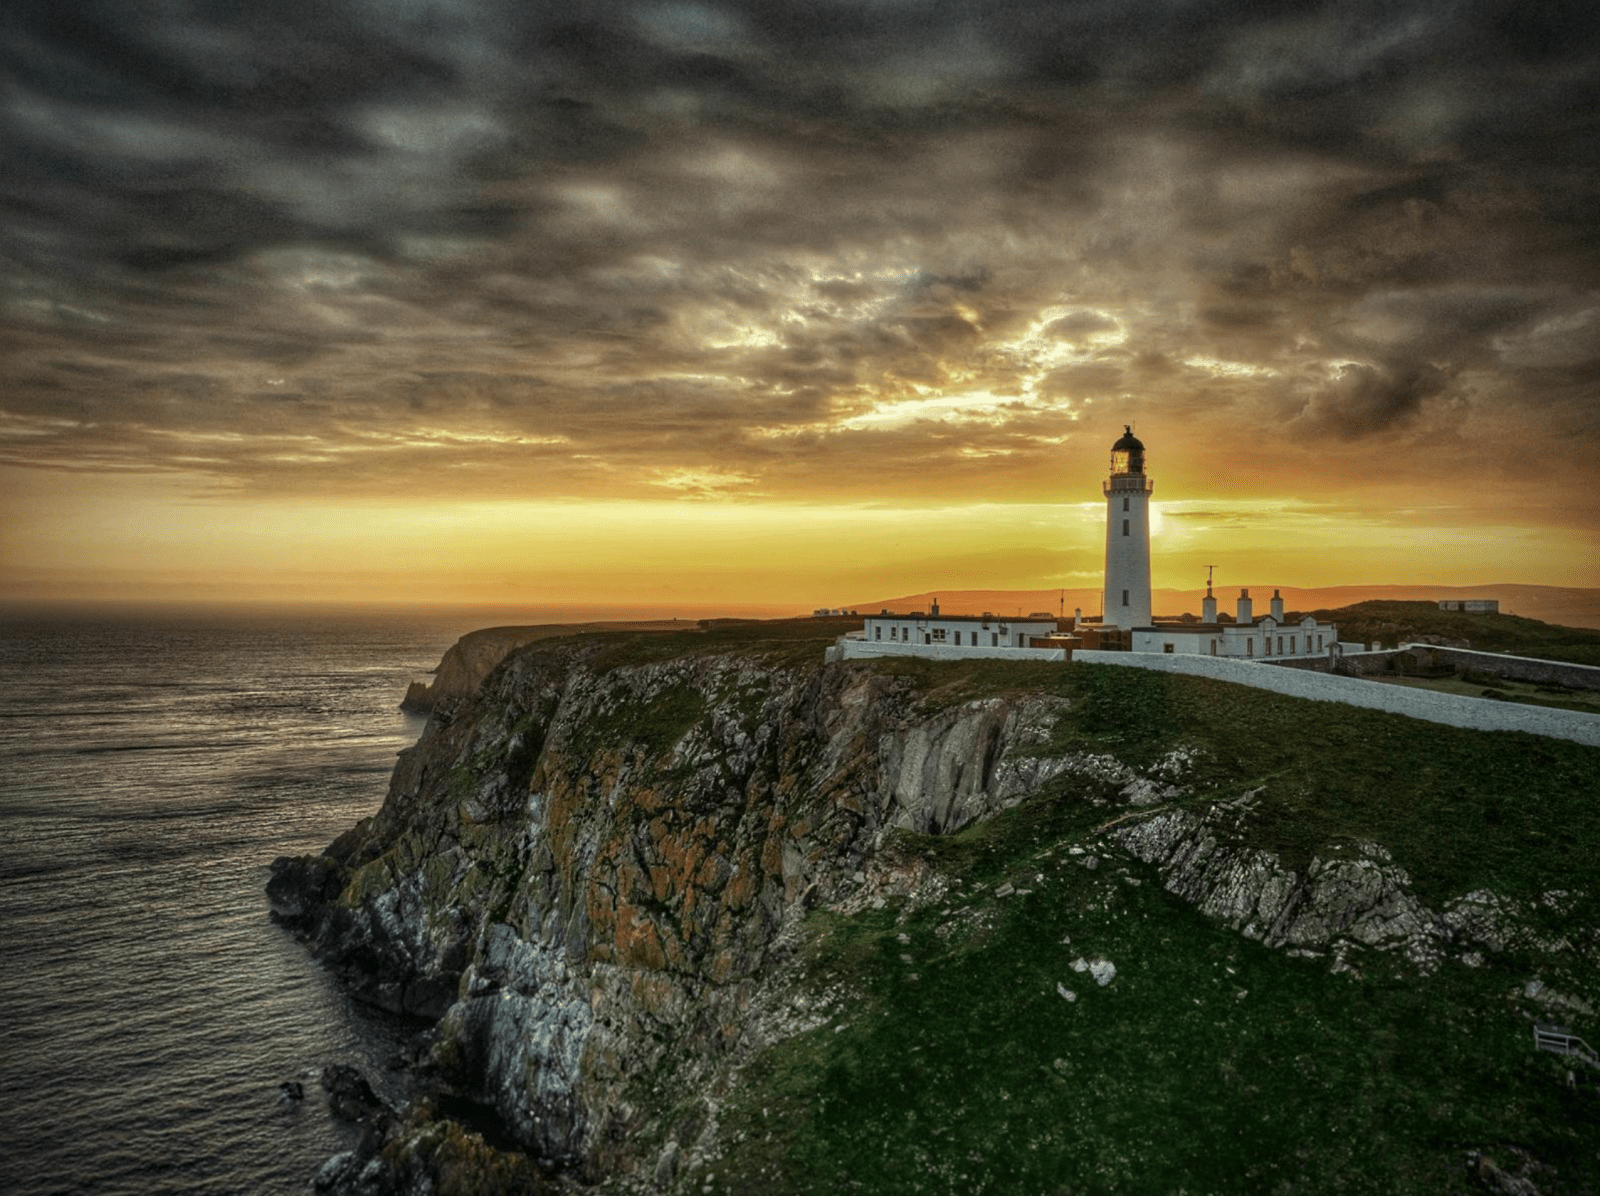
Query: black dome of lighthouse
x=1127 y=455
x=1129 y=442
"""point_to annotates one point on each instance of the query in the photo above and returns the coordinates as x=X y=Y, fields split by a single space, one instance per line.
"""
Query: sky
x=785 y=304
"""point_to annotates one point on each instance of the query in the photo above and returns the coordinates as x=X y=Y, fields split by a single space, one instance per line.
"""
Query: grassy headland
x=949 y=1059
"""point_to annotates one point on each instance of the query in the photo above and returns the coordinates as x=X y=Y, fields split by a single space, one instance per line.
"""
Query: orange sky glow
x=756 y=309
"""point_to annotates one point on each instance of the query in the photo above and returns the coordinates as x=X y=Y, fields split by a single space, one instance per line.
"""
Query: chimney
x=934 y=612
x=1245 y=606
x=1077 y=617
x=1208 y=606
x=1277 y=606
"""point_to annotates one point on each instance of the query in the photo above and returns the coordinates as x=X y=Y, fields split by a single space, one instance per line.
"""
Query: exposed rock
x=666 y=1169
x=1538 y=991
x=1489 y=1176
x=588 y=874
x=422 y=1154
x=965 y=763
x=1360 y=895
x=418 y=699
x=351 y=1097
x=300 y=888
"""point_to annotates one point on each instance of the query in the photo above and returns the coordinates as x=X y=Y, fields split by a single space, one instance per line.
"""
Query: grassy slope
x=977 y=1076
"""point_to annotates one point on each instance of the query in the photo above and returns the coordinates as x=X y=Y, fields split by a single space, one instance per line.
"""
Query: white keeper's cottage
x=954 y=637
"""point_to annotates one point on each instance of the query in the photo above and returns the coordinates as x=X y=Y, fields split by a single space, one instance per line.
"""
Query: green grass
x=780 y=642
x=964 y=1070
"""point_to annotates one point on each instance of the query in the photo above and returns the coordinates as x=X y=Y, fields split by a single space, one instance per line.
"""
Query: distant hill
x=1568 y=606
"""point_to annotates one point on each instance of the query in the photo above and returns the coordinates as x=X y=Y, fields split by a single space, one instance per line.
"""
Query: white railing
x=1560 y=1040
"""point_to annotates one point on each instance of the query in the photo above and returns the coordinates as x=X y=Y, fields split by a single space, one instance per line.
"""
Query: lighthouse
x=1127 y=491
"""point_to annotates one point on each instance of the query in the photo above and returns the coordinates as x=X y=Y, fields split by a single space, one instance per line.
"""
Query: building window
x=1280 y=645
x=1167 y=648
x=1319 y=643
x=994 y=639
x=958 y=639
x=1250 y=645
x=1213 y=647
x=877 y=632
x=1124 y=527
x=1124 y=597
x=1293 y=651
x=938 y=634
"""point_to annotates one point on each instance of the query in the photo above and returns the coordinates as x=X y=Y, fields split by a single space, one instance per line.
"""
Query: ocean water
x=150 y=770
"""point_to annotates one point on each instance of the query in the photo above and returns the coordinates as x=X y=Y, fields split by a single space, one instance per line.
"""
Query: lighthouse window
x=1124 y=597
x=1124 y=504
x=1124 y=527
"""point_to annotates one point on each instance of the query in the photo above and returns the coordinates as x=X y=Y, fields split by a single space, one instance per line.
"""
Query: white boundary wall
x=854 y=649
x=1479 y=714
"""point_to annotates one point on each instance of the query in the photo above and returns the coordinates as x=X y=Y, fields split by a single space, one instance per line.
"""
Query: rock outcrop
x=587 y=873
x=474 y=656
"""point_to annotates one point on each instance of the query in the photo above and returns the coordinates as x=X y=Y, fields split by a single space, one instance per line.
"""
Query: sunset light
x=802 y=331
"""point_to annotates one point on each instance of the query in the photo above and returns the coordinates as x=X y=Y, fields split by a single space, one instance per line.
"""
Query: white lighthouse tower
x=1127 y=491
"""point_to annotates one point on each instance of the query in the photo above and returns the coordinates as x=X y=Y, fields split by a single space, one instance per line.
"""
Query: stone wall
x=1417 y=658
x=1451 y=709
x=1516 y=668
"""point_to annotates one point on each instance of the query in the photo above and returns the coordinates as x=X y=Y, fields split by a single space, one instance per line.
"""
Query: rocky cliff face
x=593 y=874
x=466 y=663
x=587 y=873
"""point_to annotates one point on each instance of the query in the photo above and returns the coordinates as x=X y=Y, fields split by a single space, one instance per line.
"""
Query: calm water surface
x=150 y=770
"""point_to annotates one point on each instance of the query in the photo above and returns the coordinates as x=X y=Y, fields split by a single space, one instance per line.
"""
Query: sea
x=151 y=768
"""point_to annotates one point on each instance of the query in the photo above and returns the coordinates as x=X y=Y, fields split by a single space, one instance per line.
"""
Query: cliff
x=696 y=911
x=471 y=658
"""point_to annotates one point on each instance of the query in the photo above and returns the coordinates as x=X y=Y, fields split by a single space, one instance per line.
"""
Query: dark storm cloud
x=634 y=237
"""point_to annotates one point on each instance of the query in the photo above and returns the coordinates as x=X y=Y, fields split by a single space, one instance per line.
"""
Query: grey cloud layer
x=561 y=253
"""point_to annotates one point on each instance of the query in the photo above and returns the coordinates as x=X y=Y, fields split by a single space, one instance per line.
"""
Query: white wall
x=1451 y=709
